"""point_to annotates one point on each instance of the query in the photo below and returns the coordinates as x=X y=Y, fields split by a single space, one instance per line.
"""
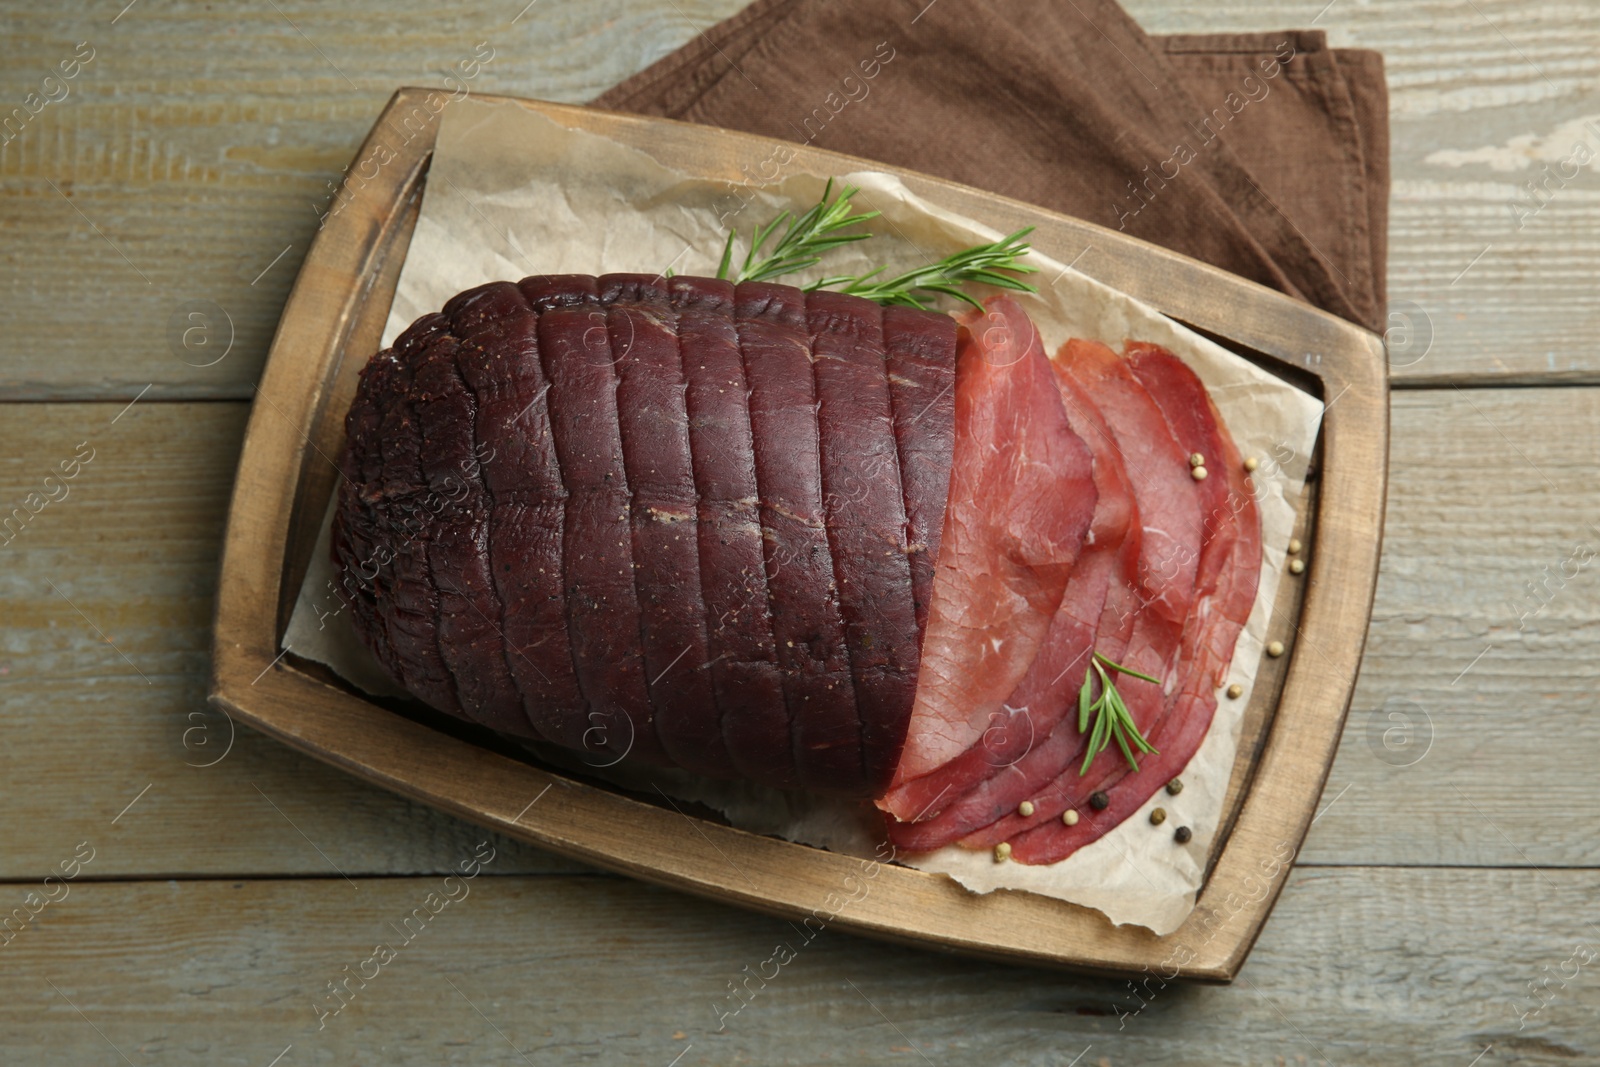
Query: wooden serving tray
x=331 y=326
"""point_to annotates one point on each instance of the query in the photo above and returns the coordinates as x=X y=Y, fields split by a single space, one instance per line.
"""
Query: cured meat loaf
x=797 y=538
x=669 y=520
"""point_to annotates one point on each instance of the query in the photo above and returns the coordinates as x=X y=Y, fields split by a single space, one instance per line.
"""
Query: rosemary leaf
x=1113 y=722
x=806 y=237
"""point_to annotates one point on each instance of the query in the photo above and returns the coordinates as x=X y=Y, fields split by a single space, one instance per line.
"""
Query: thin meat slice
x=1230 y=566
x=1022 y=496
x=663 y=515
x=922 y=381
x=1018 y=753
x=499 y=361
x=1171 y=539
x=744 y=672
x=864 y=506
x=602 y=605
x=1229 y=572
x=806 y=618
x=458 y=553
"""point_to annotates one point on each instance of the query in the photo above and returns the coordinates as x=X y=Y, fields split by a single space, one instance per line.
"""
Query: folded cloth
x=1266 y=154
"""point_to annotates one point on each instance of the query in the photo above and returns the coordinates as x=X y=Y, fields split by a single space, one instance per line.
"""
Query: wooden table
x=1442 y=908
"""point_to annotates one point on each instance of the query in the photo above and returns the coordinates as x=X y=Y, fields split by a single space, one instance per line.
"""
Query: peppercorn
x=1099 y=801
x=1182 y=835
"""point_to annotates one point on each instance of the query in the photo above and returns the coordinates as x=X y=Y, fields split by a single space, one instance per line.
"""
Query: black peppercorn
x=1099 y=801
x=1182 y=835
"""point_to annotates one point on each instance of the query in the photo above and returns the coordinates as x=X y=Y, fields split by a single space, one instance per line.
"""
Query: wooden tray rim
x=252 y=681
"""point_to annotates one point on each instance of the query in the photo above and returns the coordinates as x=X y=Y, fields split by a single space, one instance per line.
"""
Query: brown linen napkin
x=1264 y=154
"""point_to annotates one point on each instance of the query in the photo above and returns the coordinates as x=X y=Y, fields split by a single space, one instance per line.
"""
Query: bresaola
x=801 y=539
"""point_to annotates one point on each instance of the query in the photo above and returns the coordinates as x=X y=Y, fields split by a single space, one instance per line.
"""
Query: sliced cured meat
x=1170 y=541
x=1021 y=499
x=602 y=606
x=743 y=668
x=806 y=619
x=1019 y=753
x=654 y=427
x=922 y=385
x=1228 y=573
x=499 y=361
x=864 y=507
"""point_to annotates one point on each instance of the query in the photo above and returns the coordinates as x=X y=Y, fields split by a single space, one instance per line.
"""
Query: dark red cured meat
x=356 y=536
x=1013 y=531
x=654 y=428
x=744 y=671
x=922 y=388
x=602 y=605
x=1019 y=752
x=1229 y=571
x=536 y=475
x=864 y=507
x=1171 y=538
x=469 y=606
x=499 y=361
x=394 y=502
x=806 y=619
x=1230 y=567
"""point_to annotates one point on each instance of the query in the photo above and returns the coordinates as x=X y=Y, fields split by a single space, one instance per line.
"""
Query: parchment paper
x=513 y=193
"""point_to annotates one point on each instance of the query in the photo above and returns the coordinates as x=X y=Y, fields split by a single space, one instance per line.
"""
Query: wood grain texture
x=1492 y=492
x=603 y=970
x=100 y=705
x=134 y=546
x=200 y=143
x=1503 y=75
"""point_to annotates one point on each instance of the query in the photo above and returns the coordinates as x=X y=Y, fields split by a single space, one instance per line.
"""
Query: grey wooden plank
x=1482 y=96
x=1481 y=644
x=105 y=620
x=198 y=145
x=1359 y=966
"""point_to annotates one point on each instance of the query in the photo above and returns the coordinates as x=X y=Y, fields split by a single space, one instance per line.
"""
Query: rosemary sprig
x=807 y=237
x=980 y=263
x=1112 y=722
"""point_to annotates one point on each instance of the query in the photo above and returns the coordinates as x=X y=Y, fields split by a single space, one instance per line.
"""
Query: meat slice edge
x=806 y=620
x=499 y=361
x=922 y=380
x=653 y=422
x=1019 y=751
x=743 y=667
x=602 y=607
x=864 y=508
x=1228 y=577
x=1170 y=543
x=1013 y=530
